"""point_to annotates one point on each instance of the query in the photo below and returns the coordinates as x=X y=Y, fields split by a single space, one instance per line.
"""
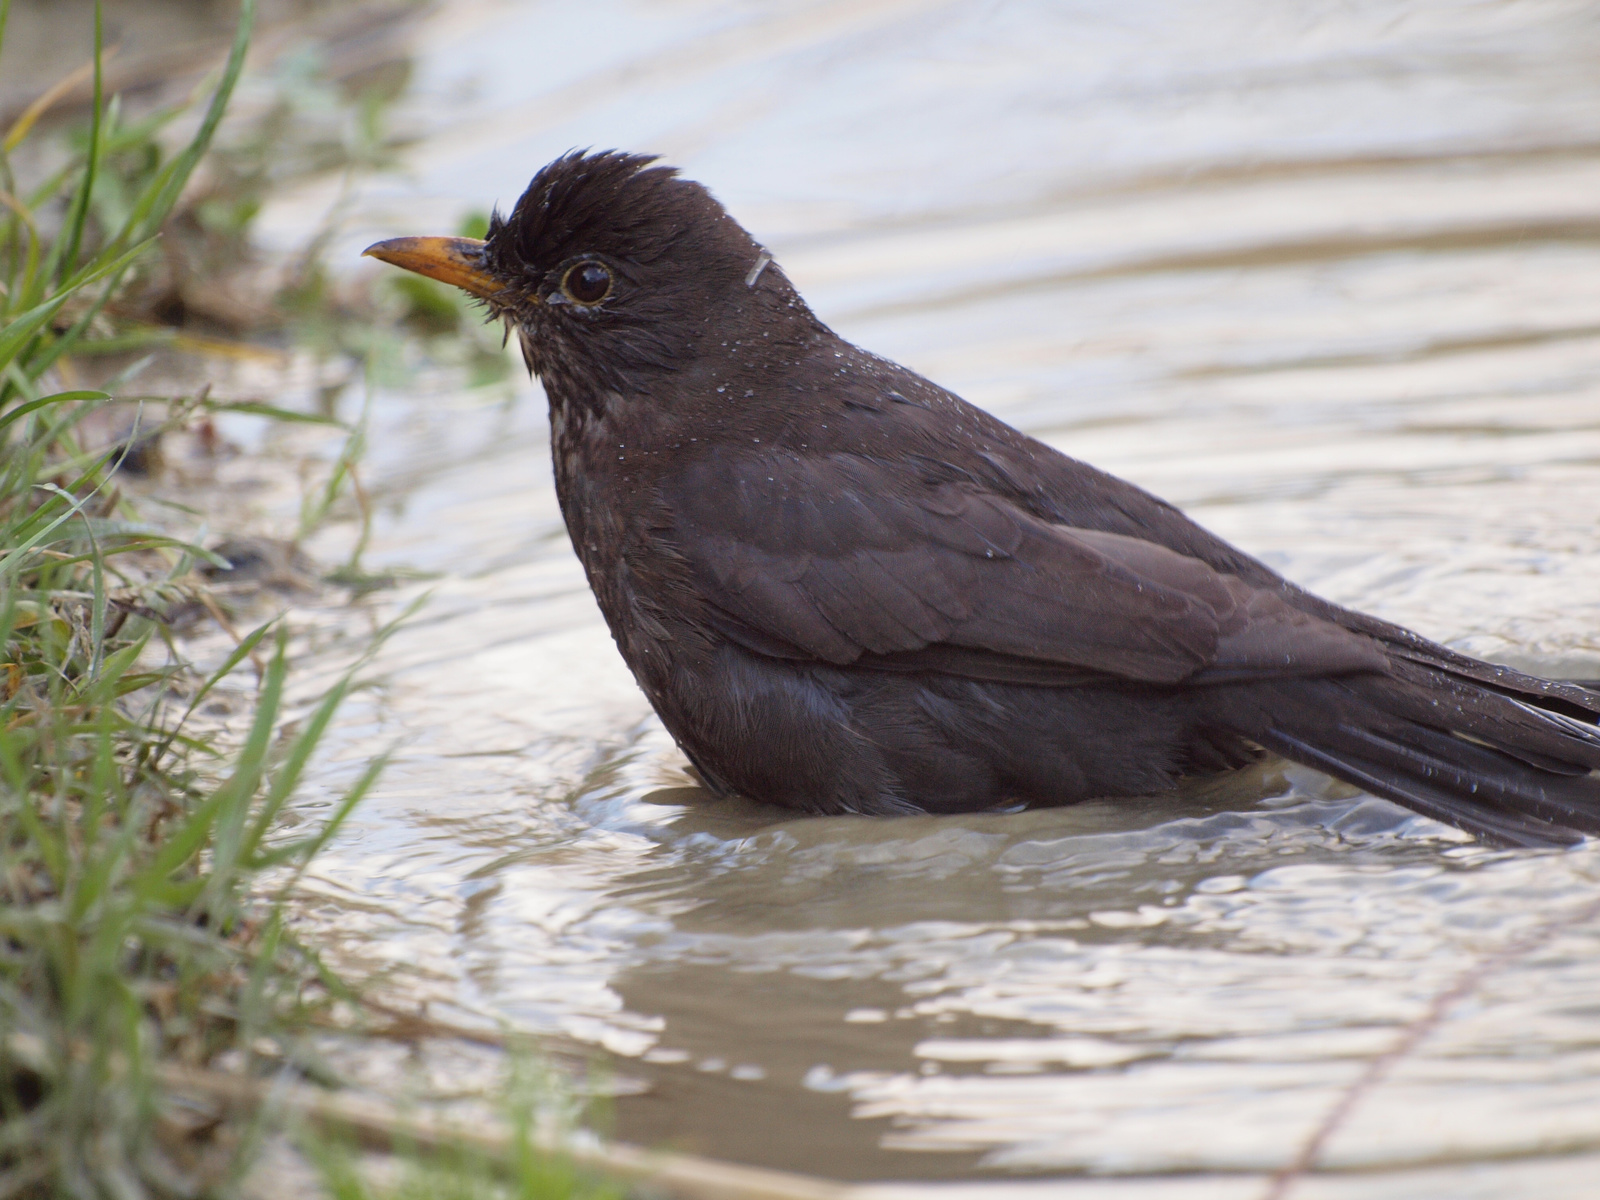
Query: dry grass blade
x=1413 y=1035
x=25 y=122
x=384 y=1127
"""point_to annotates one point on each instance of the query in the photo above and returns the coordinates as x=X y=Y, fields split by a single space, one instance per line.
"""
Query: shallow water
x=1326 y=275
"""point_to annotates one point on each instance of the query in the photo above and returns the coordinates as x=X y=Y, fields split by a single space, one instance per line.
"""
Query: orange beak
x=452 y=260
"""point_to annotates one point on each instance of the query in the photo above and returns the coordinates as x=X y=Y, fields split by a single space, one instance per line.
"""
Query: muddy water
x=1328 y=276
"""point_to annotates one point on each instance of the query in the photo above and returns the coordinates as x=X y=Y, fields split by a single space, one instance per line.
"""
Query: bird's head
x=611 y=270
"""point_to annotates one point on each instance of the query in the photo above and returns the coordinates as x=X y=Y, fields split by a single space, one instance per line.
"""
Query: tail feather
x=1526 y=724
x=1588 y=734
x=1518 y=769
x=1489 y=776
x=1404 y=647
x=1422 y=796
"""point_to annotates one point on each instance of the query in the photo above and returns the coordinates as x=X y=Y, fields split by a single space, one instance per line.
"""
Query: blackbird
x=846 y=590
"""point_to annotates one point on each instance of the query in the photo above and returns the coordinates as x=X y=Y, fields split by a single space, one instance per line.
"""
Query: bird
x=844 y=589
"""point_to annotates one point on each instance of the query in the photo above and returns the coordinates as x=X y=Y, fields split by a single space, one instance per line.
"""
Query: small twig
x=364 y=505
x=60 y=88
x=385 y=1127
x=221 y=618
x=1411 y=1037
x=412 y=1027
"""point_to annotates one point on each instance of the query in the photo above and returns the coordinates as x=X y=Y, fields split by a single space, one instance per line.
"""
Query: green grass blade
x=234 y=794
x=22 y=410
x=80 y=214
x=17 y=331
x=97 y=609
x=308 y=850
x=15 y=557
x=152 y=208
x=257 y=409
x=5 y=18
x=242 y=651
x=287 y=776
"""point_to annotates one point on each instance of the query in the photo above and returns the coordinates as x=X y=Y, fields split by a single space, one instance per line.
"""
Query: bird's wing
x=846 y=559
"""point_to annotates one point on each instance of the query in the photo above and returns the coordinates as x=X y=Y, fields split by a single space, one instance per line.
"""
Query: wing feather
x=843 y=557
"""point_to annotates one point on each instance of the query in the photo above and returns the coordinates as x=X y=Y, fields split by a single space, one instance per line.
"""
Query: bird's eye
x=587 y=283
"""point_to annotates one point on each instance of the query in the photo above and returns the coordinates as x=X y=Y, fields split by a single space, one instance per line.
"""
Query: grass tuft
x=129 y=842
x=144 y=863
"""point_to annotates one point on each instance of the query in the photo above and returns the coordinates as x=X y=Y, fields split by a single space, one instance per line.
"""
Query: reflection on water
x=1328 y=276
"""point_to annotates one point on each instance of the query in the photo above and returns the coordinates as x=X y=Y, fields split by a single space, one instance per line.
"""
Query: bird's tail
x=1500 y=754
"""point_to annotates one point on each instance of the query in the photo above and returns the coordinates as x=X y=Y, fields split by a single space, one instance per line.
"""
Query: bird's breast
x=605 y=468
